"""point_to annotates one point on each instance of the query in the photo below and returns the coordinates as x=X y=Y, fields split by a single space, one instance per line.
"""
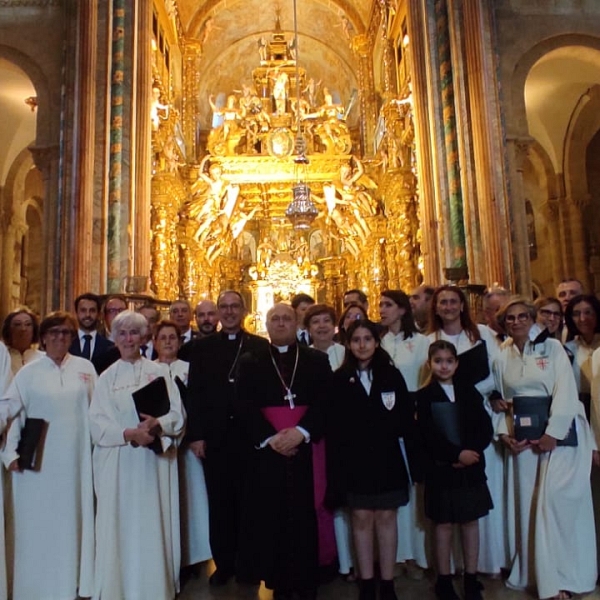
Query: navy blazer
x=101 y=346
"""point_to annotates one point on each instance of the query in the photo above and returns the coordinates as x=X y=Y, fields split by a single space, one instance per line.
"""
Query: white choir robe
x=555 y=543
x=7 y=412
x=493 y=531
x=193 y=500
x=137 y=514
x=54 y=507
x=341 y=518
x=410 y=357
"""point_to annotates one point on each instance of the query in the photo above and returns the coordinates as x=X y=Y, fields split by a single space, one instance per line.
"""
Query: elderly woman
x=549 y=315
x=450 y=320
x=555 y=547
x=20 y=333
x=193 y=501
x=137 y=521
x=54 y=505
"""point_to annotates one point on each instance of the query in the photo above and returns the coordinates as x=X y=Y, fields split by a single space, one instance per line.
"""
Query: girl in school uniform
x=456 y=429
x=372 y=409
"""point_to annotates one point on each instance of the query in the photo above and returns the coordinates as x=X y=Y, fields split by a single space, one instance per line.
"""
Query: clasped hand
x=286 y=441
x=145 y=433
x=514 y=445
x=466 y=458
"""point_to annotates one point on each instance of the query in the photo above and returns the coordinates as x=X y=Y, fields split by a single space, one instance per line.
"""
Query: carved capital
x=43 y=157
x=521 y=147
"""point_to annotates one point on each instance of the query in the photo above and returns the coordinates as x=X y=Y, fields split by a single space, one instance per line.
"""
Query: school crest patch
x=388 y=399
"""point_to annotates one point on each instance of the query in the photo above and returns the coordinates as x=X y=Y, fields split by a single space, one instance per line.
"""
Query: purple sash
x=282 y=417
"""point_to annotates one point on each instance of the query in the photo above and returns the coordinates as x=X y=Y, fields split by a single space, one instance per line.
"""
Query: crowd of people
x=137 y=447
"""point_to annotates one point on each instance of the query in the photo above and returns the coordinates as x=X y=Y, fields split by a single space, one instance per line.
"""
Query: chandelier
x=301 y=211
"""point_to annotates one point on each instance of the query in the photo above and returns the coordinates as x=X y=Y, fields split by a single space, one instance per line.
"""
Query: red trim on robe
x=282 y=417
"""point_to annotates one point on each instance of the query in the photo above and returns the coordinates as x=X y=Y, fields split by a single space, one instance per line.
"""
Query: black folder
x=531 y=414
x=153 y=399
x=473 y=365
x=30 y=444
x=182 y=390
x=446 y=418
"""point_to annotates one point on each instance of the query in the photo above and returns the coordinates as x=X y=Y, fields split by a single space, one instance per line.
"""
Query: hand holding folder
x=153 y=400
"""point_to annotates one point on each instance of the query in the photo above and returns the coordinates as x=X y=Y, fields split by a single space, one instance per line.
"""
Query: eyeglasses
x=114 y=311
x=550 y=314
x=521 y=318
x=55 y=332
x=281 y=319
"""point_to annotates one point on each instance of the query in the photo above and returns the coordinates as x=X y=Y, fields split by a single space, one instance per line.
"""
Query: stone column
x=84 y=148
x=47 y=161
x=486 y=163
x=141 y=159
x=516 y=151
x=420 y=53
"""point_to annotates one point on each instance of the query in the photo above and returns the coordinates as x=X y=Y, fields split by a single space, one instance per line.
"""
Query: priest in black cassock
x=214 y=434
x=281 y=396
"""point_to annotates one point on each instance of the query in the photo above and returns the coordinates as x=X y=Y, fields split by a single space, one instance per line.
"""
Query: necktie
x=87 y=346
x=303 y=339
x=143 y=349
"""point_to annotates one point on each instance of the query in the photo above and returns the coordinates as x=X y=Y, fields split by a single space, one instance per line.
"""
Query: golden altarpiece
x=278 y=198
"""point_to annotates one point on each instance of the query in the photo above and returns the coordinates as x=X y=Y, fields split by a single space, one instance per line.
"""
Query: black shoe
x=220 y=577
x=444 y=590
x=386 y=590
x=367 y=589
x=473 y=587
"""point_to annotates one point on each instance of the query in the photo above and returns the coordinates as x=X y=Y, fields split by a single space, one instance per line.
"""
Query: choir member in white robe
x=319 y=321
x=54 y=506
x=137 y=519
x=555 y=540
x=582 y=318
x=450 y=320
x=408 y=349
x=8 y=410
x=193 y=501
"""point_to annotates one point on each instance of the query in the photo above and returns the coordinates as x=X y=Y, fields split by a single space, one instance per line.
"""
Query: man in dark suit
x=213 y=431
x=180 y=313
x=151 y=314
x=89 y=343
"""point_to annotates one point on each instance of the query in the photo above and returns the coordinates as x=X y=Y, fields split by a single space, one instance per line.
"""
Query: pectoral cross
x=289 y=397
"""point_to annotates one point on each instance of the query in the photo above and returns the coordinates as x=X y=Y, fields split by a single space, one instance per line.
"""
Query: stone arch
x=518 y=116
x=44 y=129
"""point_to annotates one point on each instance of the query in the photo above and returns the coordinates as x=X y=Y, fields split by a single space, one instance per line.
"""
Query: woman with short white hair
x=135 y=475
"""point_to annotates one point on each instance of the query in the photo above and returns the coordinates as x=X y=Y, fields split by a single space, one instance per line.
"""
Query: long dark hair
x=342 y=333
x=570 y=323
x=466 y=322
x=381 y=359
x=407 y=321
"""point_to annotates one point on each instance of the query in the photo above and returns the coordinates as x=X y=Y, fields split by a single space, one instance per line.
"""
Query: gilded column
x=456 y=230
x=164 y=274
x=366 y=84
x=84 y=153
x=419 y=49
x=142 y=132
x=192 y=51
x=115 y=189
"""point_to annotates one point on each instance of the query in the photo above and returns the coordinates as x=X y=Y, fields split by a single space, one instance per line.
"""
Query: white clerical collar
x=282 y=349
x=231 y=336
